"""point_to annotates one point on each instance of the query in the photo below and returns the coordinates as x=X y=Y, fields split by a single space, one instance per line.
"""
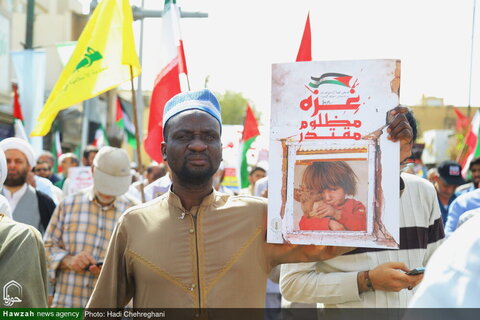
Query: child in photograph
x=326 y=196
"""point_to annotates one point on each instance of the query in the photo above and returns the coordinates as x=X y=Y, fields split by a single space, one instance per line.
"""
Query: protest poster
x=334 y=175
x=231 y=154
x=80 y=178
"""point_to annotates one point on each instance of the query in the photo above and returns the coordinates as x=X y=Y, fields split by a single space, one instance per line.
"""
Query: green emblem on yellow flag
x=89 y=57
x=101 y=61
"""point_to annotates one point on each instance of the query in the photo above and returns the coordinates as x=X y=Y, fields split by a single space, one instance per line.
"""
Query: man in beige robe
x=193 y=247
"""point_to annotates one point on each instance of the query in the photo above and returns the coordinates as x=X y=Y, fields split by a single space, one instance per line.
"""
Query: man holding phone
x=416 y=271
x=375 y=278
x=77 y=237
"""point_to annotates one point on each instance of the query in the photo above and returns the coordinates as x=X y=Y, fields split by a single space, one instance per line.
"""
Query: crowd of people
x=195 y=244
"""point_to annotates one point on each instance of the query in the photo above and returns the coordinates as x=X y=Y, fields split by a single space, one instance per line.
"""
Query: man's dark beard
x=16 y=181
x=195 y=177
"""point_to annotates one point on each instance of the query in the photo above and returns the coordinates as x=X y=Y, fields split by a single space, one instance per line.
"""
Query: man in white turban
x=23 y=271
x=27 y=205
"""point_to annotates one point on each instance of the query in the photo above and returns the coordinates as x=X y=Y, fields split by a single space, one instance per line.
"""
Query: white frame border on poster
x=325 y=236
x=374 y=87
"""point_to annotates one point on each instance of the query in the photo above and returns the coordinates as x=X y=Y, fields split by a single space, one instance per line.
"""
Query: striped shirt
x=334 y=282
x=79 y=223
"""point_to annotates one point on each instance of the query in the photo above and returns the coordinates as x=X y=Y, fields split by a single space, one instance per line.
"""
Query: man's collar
x=175 y=201
x=20 y=191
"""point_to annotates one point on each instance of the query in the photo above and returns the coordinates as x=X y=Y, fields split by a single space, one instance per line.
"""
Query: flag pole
x=137 y=138
x=188 y=82
x=464 y=149
x=471 y=60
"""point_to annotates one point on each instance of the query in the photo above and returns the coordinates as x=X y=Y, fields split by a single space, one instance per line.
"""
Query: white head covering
x=4 y=206
x=3 y=168
x=21 y=145
x=111 y=174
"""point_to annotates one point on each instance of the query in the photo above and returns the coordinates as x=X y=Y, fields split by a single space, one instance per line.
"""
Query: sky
x=237 y=44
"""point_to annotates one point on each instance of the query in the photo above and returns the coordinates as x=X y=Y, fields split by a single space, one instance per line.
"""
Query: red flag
x=305 y=50
x=250 y=125
x=167 y=83
x=250 y=132
x=17 y=110
x=471 y=140
x=462 y=122
x=118 y=111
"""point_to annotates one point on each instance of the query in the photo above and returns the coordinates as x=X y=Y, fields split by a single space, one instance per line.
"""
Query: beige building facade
x=433 y=114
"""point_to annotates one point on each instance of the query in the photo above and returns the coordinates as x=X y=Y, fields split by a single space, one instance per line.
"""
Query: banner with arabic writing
x=334 y=175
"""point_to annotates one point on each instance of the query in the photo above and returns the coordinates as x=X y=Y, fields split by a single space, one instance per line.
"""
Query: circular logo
x=276 y=224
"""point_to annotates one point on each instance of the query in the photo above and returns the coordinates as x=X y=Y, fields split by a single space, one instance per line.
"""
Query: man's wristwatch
x=368 y=282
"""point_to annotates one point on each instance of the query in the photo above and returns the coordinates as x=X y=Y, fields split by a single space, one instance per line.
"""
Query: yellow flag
x=101 y=61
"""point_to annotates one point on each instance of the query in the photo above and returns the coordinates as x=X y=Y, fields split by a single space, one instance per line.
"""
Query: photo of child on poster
x=327 y=197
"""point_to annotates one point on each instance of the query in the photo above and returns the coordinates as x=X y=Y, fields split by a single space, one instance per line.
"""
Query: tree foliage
x=234 y=106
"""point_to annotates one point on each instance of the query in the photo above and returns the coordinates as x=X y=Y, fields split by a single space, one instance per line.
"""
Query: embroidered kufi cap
x=203 y=100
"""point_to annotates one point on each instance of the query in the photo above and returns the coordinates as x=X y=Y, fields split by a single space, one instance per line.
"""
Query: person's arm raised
x=400 y=130
x=289 y=253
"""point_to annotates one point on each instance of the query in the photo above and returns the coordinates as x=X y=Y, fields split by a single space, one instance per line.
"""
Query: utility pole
x=87 y=105
x=140 y=13
x=30 y=77
x=139 y=93
x=30 y=20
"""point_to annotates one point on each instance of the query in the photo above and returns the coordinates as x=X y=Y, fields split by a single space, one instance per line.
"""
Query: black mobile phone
x=98 y=264
x=416 y=271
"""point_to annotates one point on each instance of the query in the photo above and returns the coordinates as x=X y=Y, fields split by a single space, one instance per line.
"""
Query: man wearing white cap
x=194 y=247
x=27 y=205
x=77 y=237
